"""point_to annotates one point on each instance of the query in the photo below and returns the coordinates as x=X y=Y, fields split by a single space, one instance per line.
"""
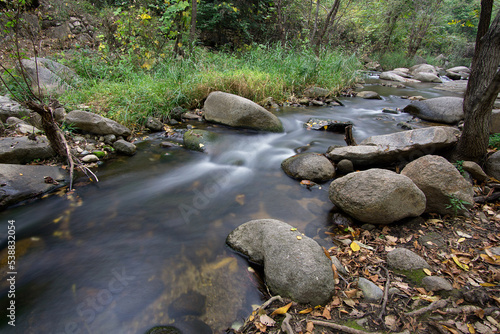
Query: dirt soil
x=459 y=249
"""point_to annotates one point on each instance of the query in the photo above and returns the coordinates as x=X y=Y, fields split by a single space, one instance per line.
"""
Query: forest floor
x=460 y=249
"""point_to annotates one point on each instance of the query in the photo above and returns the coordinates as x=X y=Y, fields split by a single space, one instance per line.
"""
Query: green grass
x=495 y=140
x=127 y=94
x=392 y=60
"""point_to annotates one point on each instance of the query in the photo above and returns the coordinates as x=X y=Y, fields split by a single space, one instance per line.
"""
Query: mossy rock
x=415 y=276
x=99 y=154
x=199 y=140
x=164 y=330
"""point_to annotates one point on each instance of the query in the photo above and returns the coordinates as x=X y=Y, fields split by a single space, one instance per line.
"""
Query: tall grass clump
x=392 y=60
x=128 y=94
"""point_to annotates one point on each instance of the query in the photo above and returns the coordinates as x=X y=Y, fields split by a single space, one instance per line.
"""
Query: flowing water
x=146 y=245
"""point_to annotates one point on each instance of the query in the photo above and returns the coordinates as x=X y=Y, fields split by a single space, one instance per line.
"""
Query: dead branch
x=341 y=327
x=431 y=307
x=349 y=138
x=285 y=326
x=386 y=294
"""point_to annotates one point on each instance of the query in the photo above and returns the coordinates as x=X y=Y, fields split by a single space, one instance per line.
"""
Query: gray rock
x=238 y=111
x=371 y=292
x=345 y=166
x=23 y=182
x=21 y=150
x=440 y=109
x=458 y=86
x=10 y=108
x=59 y=114
x=309 y=166
x=53 y=78
x=154 y=124
x=26 y=129
x=394 y=77
x=439 y=180
x=493 y=165
x=495 y=121
x=377 y=196
x=436 y=283
x=405 y=259
x=427 y=77
x=474 y=170
x=90 y=158
x=315 y=92
x=423 y=68
x=199 y=140
x=109 y=139
x=369 y=95
x=96 y=124
x=396 y=147
x=124 y=147
x=294 y=268
x=14 y=121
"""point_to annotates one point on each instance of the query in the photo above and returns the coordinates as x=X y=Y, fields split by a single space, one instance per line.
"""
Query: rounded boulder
x=309 y=166
x=377 y=196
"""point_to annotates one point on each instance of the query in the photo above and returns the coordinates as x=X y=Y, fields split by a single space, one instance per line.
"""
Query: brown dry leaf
x=309 y=327
x=452 y=330
x=427 y=271
x=489 y=259
x=326 y=314
x=373 y=278
x=261 y=327
x=316 y=313
x=266 y=320
x=351 y=293
x=240 y=199
x=282 y=310
x=307 y=183
x=350 y=302
x=392 y=240
x=306 y=311
x=422 y=291
x=386 y=229
x=433 y=221
x=326 y=253
x=336 y=302
x=391 y=322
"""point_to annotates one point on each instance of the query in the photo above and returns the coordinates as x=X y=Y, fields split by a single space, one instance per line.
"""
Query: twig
x=270 y=300
x=340 y=327
x=386 y=294
x=432 y=306
x=285 y=326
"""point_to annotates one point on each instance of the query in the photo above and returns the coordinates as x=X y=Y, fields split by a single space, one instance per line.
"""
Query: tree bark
x=194 y=14
x=329 y=18
x=482 y=89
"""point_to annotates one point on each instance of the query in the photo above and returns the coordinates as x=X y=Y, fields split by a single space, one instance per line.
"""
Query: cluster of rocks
x=417 y=73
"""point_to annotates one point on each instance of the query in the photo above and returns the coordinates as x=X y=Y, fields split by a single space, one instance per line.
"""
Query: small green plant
x=457 y=205
x=68 y=127
x=495 y=140
x=459 y=165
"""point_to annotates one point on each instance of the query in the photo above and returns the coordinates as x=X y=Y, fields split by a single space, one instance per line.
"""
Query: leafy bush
x=495 y=140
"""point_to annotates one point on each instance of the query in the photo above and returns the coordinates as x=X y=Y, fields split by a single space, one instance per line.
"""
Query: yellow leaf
x=355 y=247
x=427 y=271
x=201 y=145
x=299 y=237
x=471 y=329
x=307 y=310
x=487 y=284
x=461 y=240
x=293 y=229
x=282 y=310
x=459 y=264
x=452 y=330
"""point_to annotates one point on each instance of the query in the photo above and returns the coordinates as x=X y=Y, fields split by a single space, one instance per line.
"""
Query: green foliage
x=457 y=205
x=494 y=141
x=119 y=91
x=459 y=165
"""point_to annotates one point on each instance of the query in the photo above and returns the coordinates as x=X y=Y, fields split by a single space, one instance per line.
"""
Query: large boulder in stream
x=295 y=265
x=446 y=109
x=23 y=182
x=393 y=76
x=309 y=166
x=396 y=147
x=441 y=183
x=427 y=77
x=377 y=196
x=237 y=111
x=97 y=124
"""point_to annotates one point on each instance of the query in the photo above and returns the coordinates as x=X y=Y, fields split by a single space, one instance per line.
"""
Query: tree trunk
x=49 y=125
x=329 y=19
x=482 y=89
x=281 y=21
x=194 y=14
x=315 y=28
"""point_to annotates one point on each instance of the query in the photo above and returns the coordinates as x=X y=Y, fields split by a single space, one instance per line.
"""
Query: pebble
x=436 y=283
x=371 y=292
x=90 y=158
x=405 y=259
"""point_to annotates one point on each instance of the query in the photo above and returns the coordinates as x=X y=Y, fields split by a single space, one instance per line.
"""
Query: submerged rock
x=295 y=266
x=396 y=147
x=199 y=140
x=440 y=109
x=427 y=77
x=327 y=125
x=377 y=196
x=237 y=111
x=124 y=147
x=440 y=181
x=369 y=95
x=309 y=166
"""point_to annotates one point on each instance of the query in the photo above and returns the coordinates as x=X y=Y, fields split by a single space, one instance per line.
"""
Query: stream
x=146 y=245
